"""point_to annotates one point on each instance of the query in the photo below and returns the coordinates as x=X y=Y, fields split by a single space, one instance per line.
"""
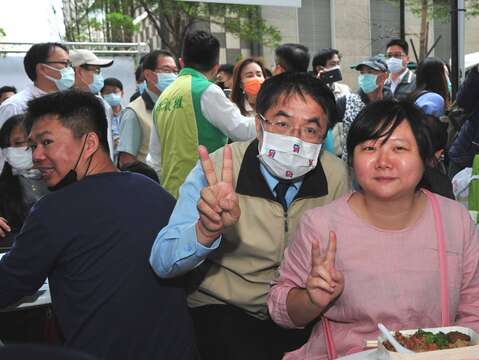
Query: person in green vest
x=194 y=111
x=159 y=70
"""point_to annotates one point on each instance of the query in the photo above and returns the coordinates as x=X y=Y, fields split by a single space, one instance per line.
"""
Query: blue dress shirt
x=176 y=249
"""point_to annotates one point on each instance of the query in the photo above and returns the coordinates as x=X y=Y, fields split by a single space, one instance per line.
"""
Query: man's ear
x=182 y=63
x=92 y=143
x=149 y=76
x=259 y=129
x=438 y=154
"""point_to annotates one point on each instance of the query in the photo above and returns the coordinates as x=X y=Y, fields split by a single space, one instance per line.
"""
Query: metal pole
x=433 y=45
x=461 y=35
x=454 y=76
x=332 y=19
x=402 y=23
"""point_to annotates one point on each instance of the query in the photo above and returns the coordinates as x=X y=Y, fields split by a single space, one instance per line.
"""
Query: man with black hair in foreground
x=237 y=212
x=108 y=301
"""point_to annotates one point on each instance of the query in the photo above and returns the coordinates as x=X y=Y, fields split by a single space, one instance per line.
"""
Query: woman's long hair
x=237 y=94
x=12 y=205
x=431 y=76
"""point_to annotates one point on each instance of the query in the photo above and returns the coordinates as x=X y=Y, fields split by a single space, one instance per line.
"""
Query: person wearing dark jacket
x=94 y=249
x=466 y=144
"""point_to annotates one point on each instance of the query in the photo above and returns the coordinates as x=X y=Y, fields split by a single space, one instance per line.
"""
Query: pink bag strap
x=441 y=245
x=331 y=348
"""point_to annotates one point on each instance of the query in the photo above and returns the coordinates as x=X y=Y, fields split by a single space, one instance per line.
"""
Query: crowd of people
x=232 y=212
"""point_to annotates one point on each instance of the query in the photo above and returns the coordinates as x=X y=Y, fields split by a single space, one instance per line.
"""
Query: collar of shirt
x=152 y=95
x=37 y=92
x=399 y=79
x=272 y=182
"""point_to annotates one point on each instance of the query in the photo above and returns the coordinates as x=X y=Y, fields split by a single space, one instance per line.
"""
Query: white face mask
x=395 y=65
x=20 y=158
x=287 y=157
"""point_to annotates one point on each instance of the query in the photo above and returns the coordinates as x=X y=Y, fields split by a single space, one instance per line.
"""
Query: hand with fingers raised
x=4 y=227
x=324 y=283
x=218 y=205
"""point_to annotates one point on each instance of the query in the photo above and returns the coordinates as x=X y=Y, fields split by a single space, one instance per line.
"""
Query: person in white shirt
x=88 y=78
x=159 y=71
x=193 y=111
x=48 y=66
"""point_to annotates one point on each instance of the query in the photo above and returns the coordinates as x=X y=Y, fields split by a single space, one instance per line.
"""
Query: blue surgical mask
x=164 y=80
x=67 y=79
x=395 y=65
x=97 y=83
x=142 y=87
x=113 y=99
x=367 y=82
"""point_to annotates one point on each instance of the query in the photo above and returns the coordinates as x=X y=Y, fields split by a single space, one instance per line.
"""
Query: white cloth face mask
x=287 y=157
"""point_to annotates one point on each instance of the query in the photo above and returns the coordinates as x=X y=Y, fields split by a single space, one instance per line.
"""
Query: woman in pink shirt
x=386 y=264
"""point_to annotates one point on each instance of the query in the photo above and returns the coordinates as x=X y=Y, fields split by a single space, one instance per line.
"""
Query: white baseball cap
x=87 y=57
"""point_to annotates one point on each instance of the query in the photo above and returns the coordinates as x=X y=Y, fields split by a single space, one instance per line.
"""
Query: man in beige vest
x=159 y=70
x=237 y=212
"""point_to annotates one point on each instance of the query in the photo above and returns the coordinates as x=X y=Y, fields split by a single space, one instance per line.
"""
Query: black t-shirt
x=93 y=240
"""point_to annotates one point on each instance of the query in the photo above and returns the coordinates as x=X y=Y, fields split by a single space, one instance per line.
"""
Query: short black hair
x=141 y=168
x=139 y=69
x=7 y=88
x=323 y=56
x=399 y=42
x=201 y=50
x=111 y=81
x=138 y=73
x=38 y=54
x=227 y=68
x=296 y=83
x=80 y=111
x=379 y=119
x=151 y=59
x=293 y=57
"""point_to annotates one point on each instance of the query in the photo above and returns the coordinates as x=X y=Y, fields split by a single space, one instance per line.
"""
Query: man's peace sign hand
x=324 y=283
x=218 y=205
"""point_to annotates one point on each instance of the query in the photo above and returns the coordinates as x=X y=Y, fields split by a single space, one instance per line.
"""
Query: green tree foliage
x=170 y=18
x=439 y=10
x=100 y=20
x=173 y=19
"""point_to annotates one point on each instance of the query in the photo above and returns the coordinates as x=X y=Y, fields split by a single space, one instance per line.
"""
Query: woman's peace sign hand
x=324 y=283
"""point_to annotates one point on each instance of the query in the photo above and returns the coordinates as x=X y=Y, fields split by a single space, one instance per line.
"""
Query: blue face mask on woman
x=367 y=82
x=97 y=83
x=164 y=80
